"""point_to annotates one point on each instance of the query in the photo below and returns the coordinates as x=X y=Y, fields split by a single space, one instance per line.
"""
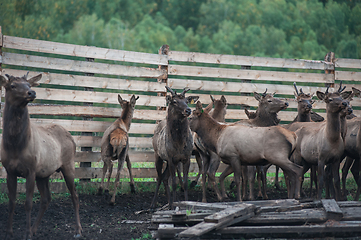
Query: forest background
x=305 y=29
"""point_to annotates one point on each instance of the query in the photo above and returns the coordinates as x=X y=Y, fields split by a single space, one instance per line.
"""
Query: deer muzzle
x=31 y=95
x=187 y=112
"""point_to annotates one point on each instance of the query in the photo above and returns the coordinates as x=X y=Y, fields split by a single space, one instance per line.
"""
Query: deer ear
x=356 y=91
x=133 y=99
x=192 y=99
x=199 y=106
x=120 y=99
x=346 y=95
x=321 y=95
x=208 y=108
x=223 y=99
x=3 y=80
x=34 y=80
x=257 y=96
x=212 y=98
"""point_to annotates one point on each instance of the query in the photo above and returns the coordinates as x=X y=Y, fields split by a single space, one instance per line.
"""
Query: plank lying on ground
x=333 y=228
x=222 y=218
x=332 y=209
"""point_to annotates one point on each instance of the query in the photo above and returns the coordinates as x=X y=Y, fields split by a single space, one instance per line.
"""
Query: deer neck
x=333 y=126
x=304 y=117
x=218 y=115
x=127 y=116
x=210 y=131
x=343 y=126
x=178 y=127
x=16 y=127
x=265 y=119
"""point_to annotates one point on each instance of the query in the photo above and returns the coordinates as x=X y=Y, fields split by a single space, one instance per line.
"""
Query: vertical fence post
x=1 y=70
x=163 y=50
x=330 y=60
x=87 y=149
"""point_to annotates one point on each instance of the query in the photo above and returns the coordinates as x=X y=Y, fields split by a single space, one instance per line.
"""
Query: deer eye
x=269 y=101
x=13 y=86
x=174 y=101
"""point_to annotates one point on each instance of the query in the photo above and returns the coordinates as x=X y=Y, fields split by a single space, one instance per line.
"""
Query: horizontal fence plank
x=94 y=141
x=241 y=87
x=195 y=57
x=349 y=76
x=134 y=156
x=228 y=73
x=89 y=111
x=80 y=66
x=348 y=63
x=91 y=81
x=94 y=97
x=94 y=126
x=82 y=51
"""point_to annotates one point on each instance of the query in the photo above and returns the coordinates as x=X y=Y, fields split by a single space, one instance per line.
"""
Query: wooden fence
x=80 y=84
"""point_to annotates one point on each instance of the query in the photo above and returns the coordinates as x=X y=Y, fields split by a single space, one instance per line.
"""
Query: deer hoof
x=77 y=235
x=112 y=203
x=233 y=184
x=193 y=184
x=100 y=191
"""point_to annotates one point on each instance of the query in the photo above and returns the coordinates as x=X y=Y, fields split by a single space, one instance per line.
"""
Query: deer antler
x=265 y=93
x=294 y=85
x=170 y=90
x=301 y=91
x=327 y=89
x=340 y=88
x=26 y=75
x=184 y=91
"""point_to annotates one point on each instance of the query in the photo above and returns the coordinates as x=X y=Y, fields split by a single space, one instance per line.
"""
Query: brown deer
x=352 y=151
x=239 y=144
x=33 y=152
x=210 y=160
x=265 y=116
x=115 y=145
x=173 y=143
x=321 y=143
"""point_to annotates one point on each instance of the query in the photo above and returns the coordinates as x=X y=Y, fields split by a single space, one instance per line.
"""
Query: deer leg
x=172 y=170
x=224 y=174
x=158 y=167
x=205 y=170
x=200 y=168
x=180 y=175
x=329 y=180
x=259 y=182
x=129 y=166
x=336 y=179
x=121 y=160
x=186 y=166
x=105 y=169
x=277 y=184
x=346 y=167
x=212 y=169
x=45 y=198
x=236 y=166
x=30 y=185
x=251 y=180
x=69 y=173
x=321 y=176
x=110 y=171
x=11 y=181
x=263 y=171
x=356 y=168
x=246 y=170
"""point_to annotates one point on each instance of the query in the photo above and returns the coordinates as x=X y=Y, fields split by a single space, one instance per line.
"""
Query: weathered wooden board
x=332 y=209
x=218 y=219
x=94 y=141
x=247 y=60
x=91 y=81
x=348 y=63
x=228 y=73
x=83 y=51
x=348 y=76
x=80 y=66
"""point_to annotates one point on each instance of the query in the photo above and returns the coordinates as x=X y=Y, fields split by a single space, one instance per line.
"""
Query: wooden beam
x=332 y=209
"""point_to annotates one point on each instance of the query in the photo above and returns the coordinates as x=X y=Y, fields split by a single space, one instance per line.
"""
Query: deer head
x=178 y=103
x=124 y=103
x=18 y=89
x=335 y=101
x=198 y=113
x=304 y=101
x=270 y=103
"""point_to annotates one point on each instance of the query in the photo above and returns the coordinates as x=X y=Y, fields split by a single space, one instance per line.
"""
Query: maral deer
x=352 y=151
x=210 y=160
x=115 y=145
x=173 y=143
x=33 y=152
x=321 y=143
x=238 y=144
x=265 y=116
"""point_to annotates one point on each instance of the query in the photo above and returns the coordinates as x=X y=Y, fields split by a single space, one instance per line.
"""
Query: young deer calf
x=114 y=146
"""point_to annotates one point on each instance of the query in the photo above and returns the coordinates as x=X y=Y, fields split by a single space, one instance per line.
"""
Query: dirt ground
x=99 y=220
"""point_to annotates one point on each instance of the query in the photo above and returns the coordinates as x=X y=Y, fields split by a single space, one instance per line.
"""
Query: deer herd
x=247 y=147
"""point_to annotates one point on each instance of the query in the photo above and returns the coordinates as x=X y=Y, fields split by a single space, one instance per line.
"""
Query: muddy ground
x=99 y=220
